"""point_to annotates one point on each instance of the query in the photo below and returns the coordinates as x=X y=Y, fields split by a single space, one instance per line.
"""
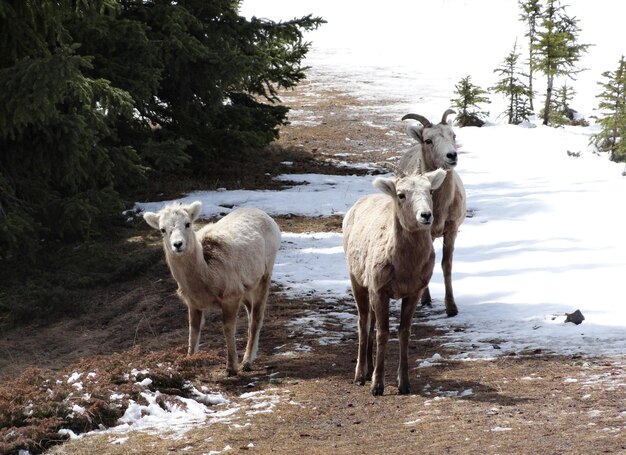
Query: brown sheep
x=390 y=255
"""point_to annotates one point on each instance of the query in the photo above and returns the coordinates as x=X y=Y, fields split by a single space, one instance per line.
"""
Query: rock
x=576 y=317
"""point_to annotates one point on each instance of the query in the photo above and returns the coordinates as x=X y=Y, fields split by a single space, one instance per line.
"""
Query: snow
x=178 y=418
x=75 y=376
x=546 y=235
x=543 y=242
x=316 y=195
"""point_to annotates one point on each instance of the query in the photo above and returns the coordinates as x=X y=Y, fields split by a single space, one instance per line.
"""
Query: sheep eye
x=162 y=231
x=187 y=225
x=429 y=141
x=401 y=196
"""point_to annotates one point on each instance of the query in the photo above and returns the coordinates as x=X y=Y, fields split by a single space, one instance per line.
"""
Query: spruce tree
x=98 y=94
x=562 y=112
x=511 y=86
x=612 y=118
x=469 y=97
x=531 y=13
x=213 y=77
x=556 y=50
x=58 y=166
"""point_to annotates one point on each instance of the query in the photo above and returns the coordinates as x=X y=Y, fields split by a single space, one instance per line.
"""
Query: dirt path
x=527 y=405
x=520 y=405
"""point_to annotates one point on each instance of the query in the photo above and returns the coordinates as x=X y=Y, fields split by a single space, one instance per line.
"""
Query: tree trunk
x=614 y=133
x=530 y=79
x=512 y=98
x=546 y=109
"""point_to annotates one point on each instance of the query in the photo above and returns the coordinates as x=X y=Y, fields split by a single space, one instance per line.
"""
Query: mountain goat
x=437 y=148
x=220 y=266
x=390 y=255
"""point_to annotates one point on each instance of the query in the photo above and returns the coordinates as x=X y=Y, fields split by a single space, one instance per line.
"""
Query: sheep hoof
x=404 y=389
x=378 y=391
x=231 y=372
x=245 y=366
x=451 y=312
x=359 y=381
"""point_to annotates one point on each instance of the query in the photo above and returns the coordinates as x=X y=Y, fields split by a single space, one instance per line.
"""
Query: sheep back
x=240 y=249
x=409 y=162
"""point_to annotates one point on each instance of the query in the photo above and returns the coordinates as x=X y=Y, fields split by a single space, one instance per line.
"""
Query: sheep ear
x=387 y=186
x=152 y=219
x=436 y=178
x=415 y=132
x=193 y=210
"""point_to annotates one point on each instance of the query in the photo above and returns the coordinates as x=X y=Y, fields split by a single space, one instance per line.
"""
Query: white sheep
x=390 y=255
x=220 y=266
x=437 y=148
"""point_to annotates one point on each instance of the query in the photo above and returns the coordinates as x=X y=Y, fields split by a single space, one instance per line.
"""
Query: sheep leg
x=196 y=321
x=370 y=348
x=361 y=296
x=426 y=300
x=256 y=313
x=449 y=238
x=380 y=305
x=229 y=322
x=406 y=316
x=246 y=364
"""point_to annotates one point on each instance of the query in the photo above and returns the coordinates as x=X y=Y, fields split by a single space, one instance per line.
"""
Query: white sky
x=450 y=38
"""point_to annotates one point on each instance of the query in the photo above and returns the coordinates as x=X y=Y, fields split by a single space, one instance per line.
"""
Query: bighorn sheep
x=219 y=266
x=437 y=148
x=390 y=255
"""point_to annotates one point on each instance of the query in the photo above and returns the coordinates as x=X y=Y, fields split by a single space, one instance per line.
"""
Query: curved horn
x=444 y=118
x=394 y=168
x=420 y=118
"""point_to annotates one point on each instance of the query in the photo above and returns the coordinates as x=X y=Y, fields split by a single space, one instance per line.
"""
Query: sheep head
x=412 y=196
x=175 y=223
x=439 y=146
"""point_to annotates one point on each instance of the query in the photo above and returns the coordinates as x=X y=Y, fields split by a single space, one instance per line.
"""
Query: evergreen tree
x=58 y=166
x=214 y=82
x=531 y=13
x=562 y=112
x=469 y=97
x=556 y=50
x=513 y=88
x=612 y=106
x=93 y=94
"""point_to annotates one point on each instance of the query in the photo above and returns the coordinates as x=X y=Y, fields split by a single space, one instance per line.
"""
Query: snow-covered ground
x=544 y=240
x=546 y=236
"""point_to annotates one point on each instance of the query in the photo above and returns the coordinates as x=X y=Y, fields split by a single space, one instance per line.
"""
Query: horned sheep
x=390 y=255
x=220 y=266
x=437 y=148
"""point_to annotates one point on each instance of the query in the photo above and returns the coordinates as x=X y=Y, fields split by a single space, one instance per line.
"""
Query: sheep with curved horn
x=437 y=148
